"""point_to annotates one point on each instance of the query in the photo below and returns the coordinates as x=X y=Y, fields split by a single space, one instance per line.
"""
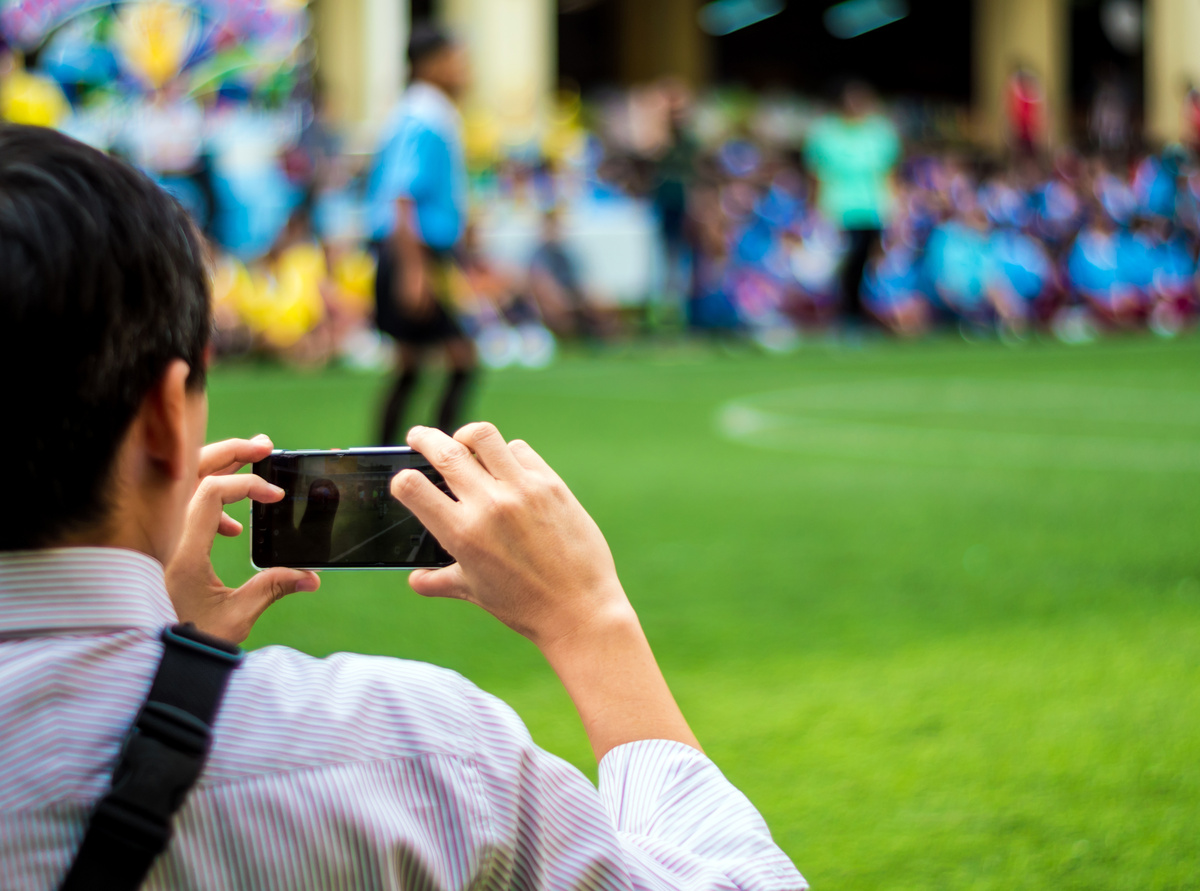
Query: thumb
x=274 y=584
x=445 y=582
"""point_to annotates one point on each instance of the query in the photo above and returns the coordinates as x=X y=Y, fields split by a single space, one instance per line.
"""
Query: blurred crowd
x=766 y=238
x=1064 y=243
x=1071 y=244
x=773 y=217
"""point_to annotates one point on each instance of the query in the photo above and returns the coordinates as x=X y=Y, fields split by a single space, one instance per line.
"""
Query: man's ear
x=163 y=418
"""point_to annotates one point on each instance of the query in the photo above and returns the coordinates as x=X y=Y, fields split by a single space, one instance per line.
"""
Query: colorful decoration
x=247 y=47
x=154 y=40
x=31 y=99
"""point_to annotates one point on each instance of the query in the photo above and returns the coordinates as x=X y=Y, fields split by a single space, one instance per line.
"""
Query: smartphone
x=338 y=512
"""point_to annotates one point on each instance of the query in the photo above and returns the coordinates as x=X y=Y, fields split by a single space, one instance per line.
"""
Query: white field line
x=1120 y=405
x=793 y=428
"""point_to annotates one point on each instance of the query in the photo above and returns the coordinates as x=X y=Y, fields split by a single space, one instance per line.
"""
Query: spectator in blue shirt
x=1174 y=287
x=1023 y=276
x=1094 y=270
x=959 y=264
x=556 y=284
x=417 y=211
x=892 y=289
x=1174 y=266
x=1137 y=259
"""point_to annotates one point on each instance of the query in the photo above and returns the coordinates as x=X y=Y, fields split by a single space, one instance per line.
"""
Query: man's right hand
x=530 y=555
x=527 y=551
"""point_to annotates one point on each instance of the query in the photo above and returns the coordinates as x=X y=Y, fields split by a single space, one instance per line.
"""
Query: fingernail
x=262 y=436
x=275 y=488
x=308 y=584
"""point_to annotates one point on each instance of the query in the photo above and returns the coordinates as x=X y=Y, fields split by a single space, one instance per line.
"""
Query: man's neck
x=131 y=539
x=132 y=524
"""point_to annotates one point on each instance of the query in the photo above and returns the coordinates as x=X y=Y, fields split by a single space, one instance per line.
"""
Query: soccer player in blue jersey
x=417 y=213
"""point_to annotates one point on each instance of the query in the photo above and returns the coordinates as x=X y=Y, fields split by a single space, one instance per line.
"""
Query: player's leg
x=408 y=372
x=862 y=243
x=461 y=360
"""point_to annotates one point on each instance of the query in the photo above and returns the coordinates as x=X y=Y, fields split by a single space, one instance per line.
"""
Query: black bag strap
x=160 y=762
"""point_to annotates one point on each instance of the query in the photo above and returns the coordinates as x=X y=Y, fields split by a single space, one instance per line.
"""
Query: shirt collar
x=81 y=589
x=424 y=99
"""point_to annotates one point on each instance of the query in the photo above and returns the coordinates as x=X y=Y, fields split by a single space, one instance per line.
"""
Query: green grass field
x=935 y=608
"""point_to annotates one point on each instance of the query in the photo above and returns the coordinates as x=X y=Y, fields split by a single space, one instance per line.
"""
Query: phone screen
x=338 y=512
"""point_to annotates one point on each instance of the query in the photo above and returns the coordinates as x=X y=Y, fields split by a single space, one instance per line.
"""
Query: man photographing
x=346 y=772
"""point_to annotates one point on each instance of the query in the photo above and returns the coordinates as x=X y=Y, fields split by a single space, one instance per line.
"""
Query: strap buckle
x=190 y=637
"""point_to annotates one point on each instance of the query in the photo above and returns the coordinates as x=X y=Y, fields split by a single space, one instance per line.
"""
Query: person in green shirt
x=852 y=155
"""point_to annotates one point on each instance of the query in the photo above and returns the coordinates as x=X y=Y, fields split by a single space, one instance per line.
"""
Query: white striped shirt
x=345 y=772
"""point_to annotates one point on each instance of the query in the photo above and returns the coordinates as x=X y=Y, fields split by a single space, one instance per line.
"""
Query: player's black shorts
x=434 y=327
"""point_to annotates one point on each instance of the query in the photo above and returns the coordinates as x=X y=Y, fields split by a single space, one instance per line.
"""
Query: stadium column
x=1172 y=29
x=513 y=50
x=662 y=38
x=360 y=53
x=1012 y=33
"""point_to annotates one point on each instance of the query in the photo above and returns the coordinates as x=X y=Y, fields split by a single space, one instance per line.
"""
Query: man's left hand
x=198 y=594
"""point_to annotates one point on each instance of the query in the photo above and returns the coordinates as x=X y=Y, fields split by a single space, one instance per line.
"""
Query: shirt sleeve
x=403 y=172
x=664 y=818
x=420 y=161
x=683 y=825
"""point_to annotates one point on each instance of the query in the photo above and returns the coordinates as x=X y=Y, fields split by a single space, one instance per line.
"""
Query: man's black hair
x=103 y=282
x=426 y=40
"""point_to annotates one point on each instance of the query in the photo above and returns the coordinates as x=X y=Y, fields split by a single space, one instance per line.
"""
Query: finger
x=451 y=459
x=436 y=510
x=228 y=526
x=490 y=448
x=213 y=493
x=528 y=458
x=221 y=490
x=270 y=586
x=445 y=582
x=275 y=584
x=231 y=455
